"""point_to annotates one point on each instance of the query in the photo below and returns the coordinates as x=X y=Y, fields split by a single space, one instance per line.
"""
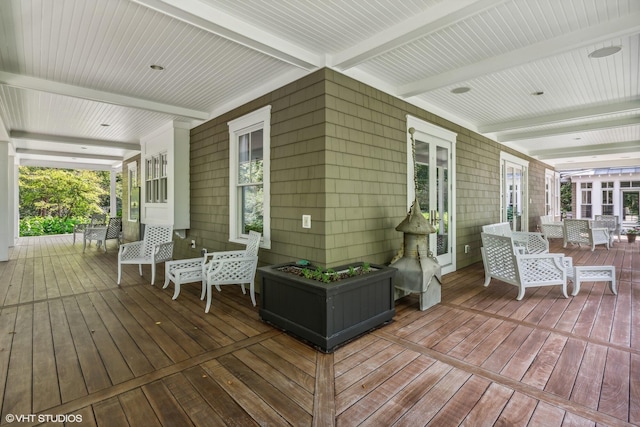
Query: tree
x=60 y=192
x=565 y=196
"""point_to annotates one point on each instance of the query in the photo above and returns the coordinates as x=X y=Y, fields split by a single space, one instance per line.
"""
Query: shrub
x=41 y=226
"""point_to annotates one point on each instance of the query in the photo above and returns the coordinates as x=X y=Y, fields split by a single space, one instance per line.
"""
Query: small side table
x=594 y=273
x=182 y=271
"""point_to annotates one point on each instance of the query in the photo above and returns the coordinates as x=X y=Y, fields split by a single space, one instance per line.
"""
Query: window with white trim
x=156 y=186
x=134 y=192
x=607 y=198
x=249 y=178
x=585 y=205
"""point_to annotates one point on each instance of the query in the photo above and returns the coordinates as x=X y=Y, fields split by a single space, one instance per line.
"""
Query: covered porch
x=72 y=342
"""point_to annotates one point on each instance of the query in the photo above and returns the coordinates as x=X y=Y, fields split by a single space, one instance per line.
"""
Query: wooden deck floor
x=73 y=343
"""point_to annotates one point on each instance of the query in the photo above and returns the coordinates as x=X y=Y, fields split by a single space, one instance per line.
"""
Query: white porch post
x=14 y=198
x=113 y=205
x=6 y=215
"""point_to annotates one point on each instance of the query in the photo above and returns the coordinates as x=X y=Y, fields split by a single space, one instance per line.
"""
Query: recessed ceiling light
x=605 y=51
x=577 y=138
x=537 y=93
x=156 y=67
x=84 y=148
x=461 y=89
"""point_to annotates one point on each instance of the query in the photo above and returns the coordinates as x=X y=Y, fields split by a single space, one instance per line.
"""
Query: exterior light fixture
x=461 y=89
x=605 y=51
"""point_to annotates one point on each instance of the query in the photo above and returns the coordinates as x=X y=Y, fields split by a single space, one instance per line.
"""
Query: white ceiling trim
x=27 y=151
x=217 y=22
x=431 y=20
x=29 y=136
x=69 y=165
x=581 y=127
x=42 y=85
x=617 y=28
x=590 y=150
x=584 y=113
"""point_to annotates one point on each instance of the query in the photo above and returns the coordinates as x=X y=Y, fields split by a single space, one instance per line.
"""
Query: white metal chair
x=231 y=271
x=611 y=223
x=102 y=233
x=96 y=219
x=251 y=250
x=551 y=229
x=524 y=241
x=502 y=261
x=579 y=231
x=155 y=247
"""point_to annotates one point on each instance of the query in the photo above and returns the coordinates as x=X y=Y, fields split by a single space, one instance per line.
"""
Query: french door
x=435 y=175
x=514 y=192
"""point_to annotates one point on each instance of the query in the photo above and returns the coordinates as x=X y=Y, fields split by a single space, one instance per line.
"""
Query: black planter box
x=327 y=314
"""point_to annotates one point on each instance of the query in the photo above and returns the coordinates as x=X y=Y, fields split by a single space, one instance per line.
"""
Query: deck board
x=73 y=342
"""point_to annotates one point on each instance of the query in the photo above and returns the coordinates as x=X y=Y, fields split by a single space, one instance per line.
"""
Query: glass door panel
x=513 y=195
x=432 y=167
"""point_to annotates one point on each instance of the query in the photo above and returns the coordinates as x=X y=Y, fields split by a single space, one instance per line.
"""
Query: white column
x=6 y=215
x=113 y=204
x=14 y=199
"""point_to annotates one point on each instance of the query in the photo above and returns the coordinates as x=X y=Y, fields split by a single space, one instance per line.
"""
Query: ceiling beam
x=27 y=151
x=627 y=147
x=429 y=21
x=563 y=130
x=617 y=28
x=583 y=113
x=204 y=16
x=42 y=85
x=29 y=136
x=69 y=165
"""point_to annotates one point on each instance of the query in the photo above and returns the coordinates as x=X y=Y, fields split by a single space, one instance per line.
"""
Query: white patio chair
x=579 y=231
x=155 y=247
x=611 y=223
x=231 y=271
x=526 y=242
x=551 y=229
x=503 y=262
x=253 y=245
x=96 y=219
x=102 y=233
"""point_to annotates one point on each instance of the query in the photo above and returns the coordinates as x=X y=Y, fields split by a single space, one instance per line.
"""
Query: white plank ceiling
x=70 y=67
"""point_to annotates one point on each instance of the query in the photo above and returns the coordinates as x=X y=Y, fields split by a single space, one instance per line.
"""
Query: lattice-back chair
x=96 y=219
x=611 y=223
x=502 y=261
x=579 y=231
x=103 y=233
x=551 y=229
x=155 y=247
x=253 y=245
x=524 y=241
x=231 y=271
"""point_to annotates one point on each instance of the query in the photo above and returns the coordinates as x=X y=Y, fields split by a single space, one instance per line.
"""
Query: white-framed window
x=585 y=199
x=134 y=191
x=552 y=192
x=156 y=186
x=607 y=198
x=249 y=177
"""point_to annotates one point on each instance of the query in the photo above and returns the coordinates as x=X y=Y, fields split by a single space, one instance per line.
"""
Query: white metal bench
x=525 y=242
x=579 y=231
x=183 y=271
x=502 y=261
x=594 y=273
